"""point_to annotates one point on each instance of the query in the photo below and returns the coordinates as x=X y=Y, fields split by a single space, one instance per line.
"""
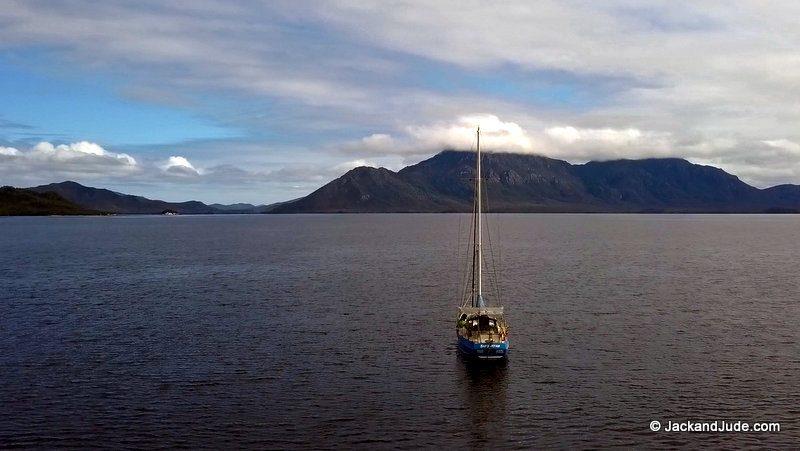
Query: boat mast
x=478 y=251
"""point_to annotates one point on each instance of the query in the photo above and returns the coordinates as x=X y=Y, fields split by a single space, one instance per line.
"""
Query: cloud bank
x=64 y=160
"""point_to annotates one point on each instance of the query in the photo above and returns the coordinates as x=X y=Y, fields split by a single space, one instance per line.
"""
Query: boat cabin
x=482 y=324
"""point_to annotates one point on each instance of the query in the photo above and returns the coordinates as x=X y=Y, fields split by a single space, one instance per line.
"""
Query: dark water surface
x=318 y=331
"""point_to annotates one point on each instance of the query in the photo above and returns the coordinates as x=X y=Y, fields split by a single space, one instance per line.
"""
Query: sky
x=263 y=101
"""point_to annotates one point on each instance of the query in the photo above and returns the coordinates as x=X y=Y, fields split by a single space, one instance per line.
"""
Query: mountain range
x=112 y=202
x=533 y=183
x=445 y=183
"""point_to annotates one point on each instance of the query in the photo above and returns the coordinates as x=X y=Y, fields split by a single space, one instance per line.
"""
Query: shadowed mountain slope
x=23 y=202
x=113 y=202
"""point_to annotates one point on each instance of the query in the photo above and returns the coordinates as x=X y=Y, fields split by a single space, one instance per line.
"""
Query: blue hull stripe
x=483 y=350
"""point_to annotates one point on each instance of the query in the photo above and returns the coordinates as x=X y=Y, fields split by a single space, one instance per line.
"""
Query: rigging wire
x=495 y=279
x=468 y=277
x=474 y=248
x=457 y=259
x=498 y=266
x=465 y=274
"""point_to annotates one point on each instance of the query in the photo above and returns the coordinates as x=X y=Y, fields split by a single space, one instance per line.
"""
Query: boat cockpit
x=481 y=323
x=483 y=327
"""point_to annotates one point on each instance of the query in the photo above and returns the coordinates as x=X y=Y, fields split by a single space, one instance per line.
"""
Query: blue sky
x=262 y=102
x=91 y=106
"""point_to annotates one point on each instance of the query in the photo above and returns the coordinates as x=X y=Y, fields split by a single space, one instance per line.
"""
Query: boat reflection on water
x=484 y=395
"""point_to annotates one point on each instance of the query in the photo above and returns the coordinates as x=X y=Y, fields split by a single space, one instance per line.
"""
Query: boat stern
x=483 y=351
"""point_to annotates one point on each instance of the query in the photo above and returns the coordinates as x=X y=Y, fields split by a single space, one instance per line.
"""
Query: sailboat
x=482 y=329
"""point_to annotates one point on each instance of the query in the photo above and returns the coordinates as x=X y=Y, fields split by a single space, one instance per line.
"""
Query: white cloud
x=178 y=165
x=377 y=143
x=460 y=134
x=783 y=144
x=348 y=165
x=46 y=162
x=75 y=155
x=582 y=144
x=571 y=135
x=178 y=161
x=565 y=141
x=77 y=150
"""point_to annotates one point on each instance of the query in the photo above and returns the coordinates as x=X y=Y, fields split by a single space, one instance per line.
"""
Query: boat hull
x=483 y=351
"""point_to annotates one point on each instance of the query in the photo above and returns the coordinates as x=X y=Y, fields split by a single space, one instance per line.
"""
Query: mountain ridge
x=23 y=202
x=105 y=200
x=535 y=183
x=513 y=182
x=113 y=202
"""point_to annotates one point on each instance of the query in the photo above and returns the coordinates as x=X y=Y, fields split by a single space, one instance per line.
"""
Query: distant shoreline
x=649 y=213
